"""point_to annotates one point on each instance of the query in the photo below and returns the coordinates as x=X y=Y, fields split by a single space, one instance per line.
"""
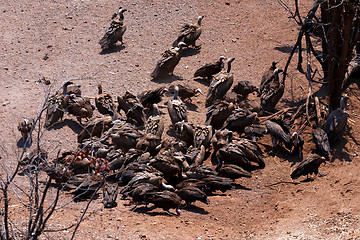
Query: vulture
x=202 y=136
x=336 y=122
x=168 y=61
x=57 y=104
x=132 y=107
x=251 y=151
x=125 y=135
x=210 y=69
x=278 y=134
x=191 y=194
x=185 y=132
x=177 y=108
x=221 y=138
x=297 y=143
x=232 y=154
x=149 y=143
x=104 y=102
x=322 y=142
x=115 y=32
x=267 y=77
x=272 y=92
x=96 y=127
x=110 y=192
x=254 y=131
x=155 y=123
x=308 y=166
x=233 y=171
x=25 y=126
x=195 y=156
x=80 y=107
x=218 y=112
x=239 y=119
x=139 y=194
x=220 y=84
x=165 y=200
x=150 y=97
x=186 y=92
x=189 y=34
x=244 y=88
x=214 y=183
x=191 y=182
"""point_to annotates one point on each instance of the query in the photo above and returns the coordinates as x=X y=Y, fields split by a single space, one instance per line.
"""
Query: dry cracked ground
x=59 y=40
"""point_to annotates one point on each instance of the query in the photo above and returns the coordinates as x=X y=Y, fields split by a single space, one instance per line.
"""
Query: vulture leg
x=134 y=207
x=321 y=175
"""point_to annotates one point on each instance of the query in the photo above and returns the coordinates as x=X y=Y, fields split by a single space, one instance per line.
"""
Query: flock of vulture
x=125 y=145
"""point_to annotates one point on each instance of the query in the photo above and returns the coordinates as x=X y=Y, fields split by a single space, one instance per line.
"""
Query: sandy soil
x=254 y=32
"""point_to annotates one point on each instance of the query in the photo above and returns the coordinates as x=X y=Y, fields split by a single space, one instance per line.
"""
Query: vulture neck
x=228 y=67
x=343 y=103
x=156 y=110
x=176 y=93
x=100 y=89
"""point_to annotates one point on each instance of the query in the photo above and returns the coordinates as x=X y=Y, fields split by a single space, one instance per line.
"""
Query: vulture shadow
x=86 y=196
x=191 y=107
x=241 y=187
x=24 y=143
x=340 y=151
x=195 y=209
x=148 y=211
x=167 y=79
x=114 y=49
x=205 y=82
x=75 y=126
x=191 y=52
x=287 y=49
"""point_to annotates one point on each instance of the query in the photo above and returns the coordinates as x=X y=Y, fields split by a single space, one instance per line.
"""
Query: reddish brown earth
x=254 y=32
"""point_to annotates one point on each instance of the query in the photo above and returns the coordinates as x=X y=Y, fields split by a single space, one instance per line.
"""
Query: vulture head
x=343 y=102
x=198 y=91
x=200 y=18
x=121 y=15
x=182 y=45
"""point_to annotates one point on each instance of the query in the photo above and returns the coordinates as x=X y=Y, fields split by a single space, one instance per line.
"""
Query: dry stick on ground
x=295 y=183
x=263 y=119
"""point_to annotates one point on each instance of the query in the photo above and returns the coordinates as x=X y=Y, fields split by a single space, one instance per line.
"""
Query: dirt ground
x=59 y=40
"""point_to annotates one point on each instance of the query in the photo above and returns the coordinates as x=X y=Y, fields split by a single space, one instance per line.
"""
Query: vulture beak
x=198 y=91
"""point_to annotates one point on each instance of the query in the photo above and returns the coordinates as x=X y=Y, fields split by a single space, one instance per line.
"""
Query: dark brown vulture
x=239 y=119
x=191 y=194
x=57 y=105
x=267 y=77
x=114 y=33
x=233 y=171
x=80 y=107
x=104 y=102
x=165 y=200
x=308 y=166
x=220 y=84
x=132 y=107
x=272 y=92
x=322 y=142
x=210 y=69
x=244 y=88
x=218 y=112
x=168 y=61
x=189 y=34
x=186 y=92
x=150 y=97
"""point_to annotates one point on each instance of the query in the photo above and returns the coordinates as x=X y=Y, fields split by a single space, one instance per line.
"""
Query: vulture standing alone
x=321 y=140
x=168 y=61
x=267 y=77
x=308 y=166
x=115 y=32
x=189 y=34
x=104 y=102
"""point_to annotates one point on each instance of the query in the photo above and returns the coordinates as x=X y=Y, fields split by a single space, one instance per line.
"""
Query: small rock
x=227 y=3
